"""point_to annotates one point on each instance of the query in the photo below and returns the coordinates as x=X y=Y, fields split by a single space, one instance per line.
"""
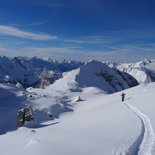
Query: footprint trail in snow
x=147 y=137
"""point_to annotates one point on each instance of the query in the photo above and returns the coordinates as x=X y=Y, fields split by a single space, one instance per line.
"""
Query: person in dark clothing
x=123 y=96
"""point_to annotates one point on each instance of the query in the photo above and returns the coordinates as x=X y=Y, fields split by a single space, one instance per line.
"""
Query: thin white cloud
x=16 y=32
x=115 y=37
x=89 y=40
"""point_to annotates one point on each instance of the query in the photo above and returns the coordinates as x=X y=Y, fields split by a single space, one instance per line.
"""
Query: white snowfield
x=95 y=124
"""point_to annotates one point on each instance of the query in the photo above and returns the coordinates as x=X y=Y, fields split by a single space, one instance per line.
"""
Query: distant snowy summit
x=37 y=72
x=97 y=74
x=143 y=71
x=34 y=72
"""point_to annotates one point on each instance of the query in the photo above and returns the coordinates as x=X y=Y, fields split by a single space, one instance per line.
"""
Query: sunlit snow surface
x=99 y=124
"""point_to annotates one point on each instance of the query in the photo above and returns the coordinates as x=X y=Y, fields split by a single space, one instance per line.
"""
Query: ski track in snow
x=145 y=142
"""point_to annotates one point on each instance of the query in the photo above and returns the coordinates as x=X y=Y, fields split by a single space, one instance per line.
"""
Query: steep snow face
x=143 y=71
x=97 y=75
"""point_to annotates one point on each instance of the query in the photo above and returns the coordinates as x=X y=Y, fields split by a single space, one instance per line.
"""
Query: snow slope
x=99 y=124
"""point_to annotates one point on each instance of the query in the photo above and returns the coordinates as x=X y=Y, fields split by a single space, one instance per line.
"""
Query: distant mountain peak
x=143 y=71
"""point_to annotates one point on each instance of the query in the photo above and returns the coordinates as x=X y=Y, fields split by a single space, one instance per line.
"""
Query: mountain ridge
x=39 y=73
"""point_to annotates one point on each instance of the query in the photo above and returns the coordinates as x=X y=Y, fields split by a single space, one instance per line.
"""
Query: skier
x=123 y=96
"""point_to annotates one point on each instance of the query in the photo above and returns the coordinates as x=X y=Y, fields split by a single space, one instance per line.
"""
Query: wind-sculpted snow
x=146 y=139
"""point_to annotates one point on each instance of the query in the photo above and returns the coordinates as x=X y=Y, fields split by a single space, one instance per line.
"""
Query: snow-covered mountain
x=143 y=71
x=98 y=75
x=34 y=72
x=38 y=72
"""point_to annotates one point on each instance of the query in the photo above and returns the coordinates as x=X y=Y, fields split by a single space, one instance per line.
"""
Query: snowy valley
x=77 y=107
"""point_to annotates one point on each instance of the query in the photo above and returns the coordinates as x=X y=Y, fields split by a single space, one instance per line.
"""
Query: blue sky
x=114 y=30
